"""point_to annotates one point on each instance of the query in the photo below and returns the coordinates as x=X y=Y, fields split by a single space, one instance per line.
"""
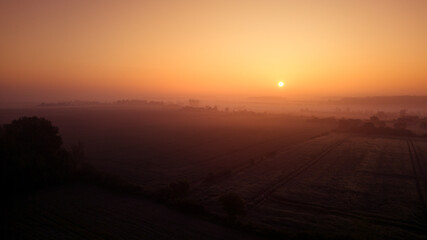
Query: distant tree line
x=139 y=102
x=374 y=126
x=201 y=109
x=69 y=103
x=89 y=103
x=386 y=100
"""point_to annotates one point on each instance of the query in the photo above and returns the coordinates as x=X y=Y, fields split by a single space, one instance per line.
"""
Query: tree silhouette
x=32 y=135
x=31 y=154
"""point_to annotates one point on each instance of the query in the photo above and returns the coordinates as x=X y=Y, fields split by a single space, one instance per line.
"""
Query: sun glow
x=234 y=48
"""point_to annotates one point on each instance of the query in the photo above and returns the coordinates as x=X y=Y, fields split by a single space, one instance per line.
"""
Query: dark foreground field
x=89 y=212
x=297 y=178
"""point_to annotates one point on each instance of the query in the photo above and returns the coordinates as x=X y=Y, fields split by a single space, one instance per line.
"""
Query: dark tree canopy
x=31 y=154
x=32 y=135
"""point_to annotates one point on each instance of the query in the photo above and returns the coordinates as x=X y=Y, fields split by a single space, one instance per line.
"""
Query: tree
x=31 y=154
x=232 y=204
x=32 y=135
x=374 y=119
x=381 y=115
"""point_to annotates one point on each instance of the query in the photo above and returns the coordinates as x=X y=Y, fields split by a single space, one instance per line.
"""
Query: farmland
x=156 y=145
x=82 y=212
x=364 y=186
x=294 y=175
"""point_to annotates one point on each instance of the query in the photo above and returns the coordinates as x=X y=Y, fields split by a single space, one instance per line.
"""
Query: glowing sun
x=281 y=84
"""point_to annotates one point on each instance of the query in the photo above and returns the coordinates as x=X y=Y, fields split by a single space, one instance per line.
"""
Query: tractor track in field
x=420 y=177
x=318 y=208
x=284 y=179
x=222 y=175
x=253 y=162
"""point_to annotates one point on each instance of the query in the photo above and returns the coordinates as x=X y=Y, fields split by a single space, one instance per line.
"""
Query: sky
x=96 y=50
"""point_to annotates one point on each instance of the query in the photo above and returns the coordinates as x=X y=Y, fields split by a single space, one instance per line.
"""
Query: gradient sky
x=131 y=49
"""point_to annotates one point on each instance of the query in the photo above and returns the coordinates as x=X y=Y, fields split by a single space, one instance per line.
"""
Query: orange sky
x=119 y=49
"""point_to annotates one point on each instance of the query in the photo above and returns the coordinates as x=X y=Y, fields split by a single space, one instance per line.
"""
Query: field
x=88 y=212
x=293 y=175
x=366 y=187
x=153 y=146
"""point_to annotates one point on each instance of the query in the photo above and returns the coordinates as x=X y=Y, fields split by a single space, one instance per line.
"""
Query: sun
x=281 y=84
